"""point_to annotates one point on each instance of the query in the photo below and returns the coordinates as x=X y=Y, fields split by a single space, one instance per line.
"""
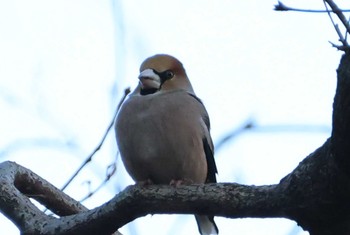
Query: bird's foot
x=177 y=183
x=144 y=182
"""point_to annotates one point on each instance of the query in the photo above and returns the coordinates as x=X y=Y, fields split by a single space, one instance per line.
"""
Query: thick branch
x=17 y=184
x=341 y=116
x=318 y=192
x=312 y=193
x=229 y=200
x=224 y=199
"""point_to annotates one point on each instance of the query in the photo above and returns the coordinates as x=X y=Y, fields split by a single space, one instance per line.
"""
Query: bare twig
x=253 y=126
x=339 y=13
x=245 y=126
x=339 y=47
x=111 y=169
x=336 y=27
x=89 y=158
x=346 y=32
x=333 y=9
x=282 y=7
x=341 y=16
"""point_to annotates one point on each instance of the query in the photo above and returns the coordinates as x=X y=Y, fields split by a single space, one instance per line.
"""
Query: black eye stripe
x=165 y=75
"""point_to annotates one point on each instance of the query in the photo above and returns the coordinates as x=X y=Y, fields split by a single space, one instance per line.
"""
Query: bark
x=315 y=195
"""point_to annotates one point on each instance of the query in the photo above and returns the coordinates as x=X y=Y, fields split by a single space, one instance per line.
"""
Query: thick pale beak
x=149 y=79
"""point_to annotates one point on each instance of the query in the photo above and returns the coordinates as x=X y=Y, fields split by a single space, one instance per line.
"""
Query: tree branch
x=315 y=194
x=334 y=9
x=341 y=116
x=16 y=182
x=133 y=202
x=339 y=13
x=282 y=7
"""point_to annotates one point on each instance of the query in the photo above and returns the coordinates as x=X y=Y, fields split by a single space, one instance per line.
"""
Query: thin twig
x=282 y=7
x=89 y=158
x=252 y=126
x=334 y=7
x=339 y=13
x=111 y=169
x=346 y=32
x=339 y=47
x=336 y=27
x=249 y=124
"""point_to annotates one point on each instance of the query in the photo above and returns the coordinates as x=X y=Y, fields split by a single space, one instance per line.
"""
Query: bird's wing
x=208 y=146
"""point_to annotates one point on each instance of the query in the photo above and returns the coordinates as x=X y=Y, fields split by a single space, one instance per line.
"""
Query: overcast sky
x=64 y=65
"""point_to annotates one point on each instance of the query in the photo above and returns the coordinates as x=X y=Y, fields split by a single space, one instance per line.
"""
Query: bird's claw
x=177 y=183
x=144 y=182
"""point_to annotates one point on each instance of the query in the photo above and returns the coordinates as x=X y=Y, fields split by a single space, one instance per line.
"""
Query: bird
x=163 y=131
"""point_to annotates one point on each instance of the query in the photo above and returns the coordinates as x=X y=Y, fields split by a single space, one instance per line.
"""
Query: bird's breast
x=160 y=140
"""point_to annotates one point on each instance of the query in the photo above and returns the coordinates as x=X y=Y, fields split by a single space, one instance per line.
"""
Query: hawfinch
x=162 y=131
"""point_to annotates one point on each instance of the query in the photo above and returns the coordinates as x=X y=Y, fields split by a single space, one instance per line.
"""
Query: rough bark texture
x=316 y=194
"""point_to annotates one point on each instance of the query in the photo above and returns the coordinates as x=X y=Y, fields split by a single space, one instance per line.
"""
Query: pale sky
x=64 y=65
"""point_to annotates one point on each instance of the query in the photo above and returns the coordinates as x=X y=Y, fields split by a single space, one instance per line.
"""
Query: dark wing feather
x=212 y=170
x=205 y=117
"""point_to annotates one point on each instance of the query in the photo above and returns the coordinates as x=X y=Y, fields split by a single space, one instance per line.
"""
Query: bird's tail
x=206 y=225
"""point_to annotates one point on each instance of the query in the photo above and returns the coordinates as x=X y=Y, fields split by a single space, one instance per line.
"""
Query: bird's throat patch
x=148 y=91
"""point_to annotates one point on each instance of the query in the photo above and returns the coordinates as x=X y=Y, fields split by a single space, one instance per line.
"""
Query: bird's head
x=163 y=72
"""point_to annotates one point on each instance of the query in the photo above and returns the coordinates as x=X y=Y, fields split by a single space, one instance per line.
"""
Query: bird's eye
x=169 y=74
